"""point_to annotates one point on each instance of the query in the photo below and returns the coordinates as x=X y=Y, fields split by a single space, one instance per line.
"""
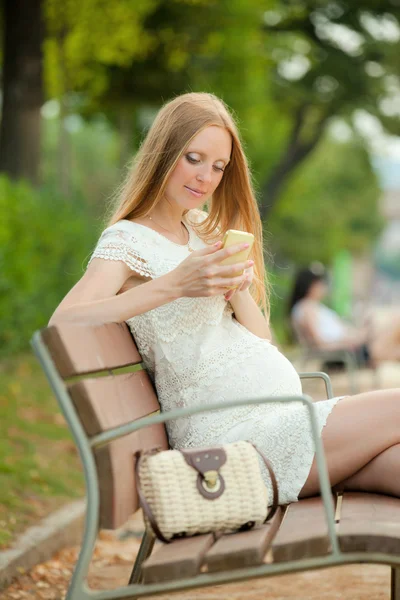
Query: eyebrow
x=225 y=160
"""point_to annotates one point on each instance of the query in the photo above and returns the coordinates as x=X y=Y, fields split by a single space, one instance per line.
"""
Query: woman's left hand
x=244 y=286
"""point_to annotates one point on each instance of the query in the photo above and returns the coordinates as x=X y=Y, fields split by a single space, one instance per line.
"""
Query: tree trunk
x=296 y=151
x=22 y=89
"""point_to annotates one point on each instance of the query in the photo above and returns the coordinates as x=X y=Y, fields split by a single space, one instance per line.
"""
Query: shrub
x=44 y=243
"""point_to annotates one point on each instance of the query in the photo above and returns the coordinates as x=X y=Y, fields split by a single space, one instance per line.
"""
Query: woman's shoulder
x=123 y=241
x=131 y=238
x=122 y=225
x=125 y=231
x=304 y=307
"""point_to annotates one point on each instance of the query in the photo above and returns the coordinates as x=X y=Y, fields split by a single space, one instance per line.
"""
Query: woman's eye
x=195 y=161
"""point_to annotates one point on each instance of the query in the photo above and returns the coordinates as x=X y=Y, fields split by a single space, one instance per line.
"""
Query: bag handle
x=275 y=498
x=145 y=505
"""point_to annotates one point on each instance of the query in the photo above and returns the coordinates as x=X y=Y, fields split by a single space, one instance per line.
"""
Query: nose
x=204 y=175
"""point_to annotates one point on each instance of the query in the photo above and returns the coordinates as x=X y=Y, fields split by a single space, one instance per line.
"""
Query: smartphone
x=233 y=237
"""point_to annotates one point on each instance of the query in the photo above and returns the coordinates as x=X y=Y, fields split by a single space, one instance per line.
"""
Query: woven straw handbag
x=194 y=491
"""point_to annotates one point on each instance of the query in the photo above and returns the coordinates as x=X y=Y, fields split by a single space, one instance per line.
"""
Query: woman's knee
x=376 y=413
x=358 y=429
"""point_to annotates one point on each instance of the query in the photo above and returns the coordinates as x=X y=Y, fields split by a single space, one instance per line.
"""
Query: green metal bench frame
x=79 y=590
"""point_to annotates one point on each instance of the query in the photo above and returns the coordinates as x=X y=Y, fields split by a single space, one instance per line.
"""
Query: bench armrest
x=320 y=375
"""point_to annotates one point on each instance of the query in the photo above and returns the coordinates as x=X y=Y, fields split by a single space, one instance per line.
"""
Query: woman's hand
x=249 y=275
x=200 y=274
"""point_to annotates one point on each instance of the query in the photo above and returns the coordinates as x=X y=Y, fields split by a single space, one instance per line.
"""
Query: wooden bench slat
x=78 y=350
x=303 y=533
x=243 y=549
x=369 y=523
x=115 y=464
x=178 y=560
x=107 y=402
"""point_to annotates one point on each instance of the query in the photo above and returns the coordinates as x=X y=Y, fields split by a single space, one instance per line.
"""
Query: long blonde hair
x=233 y=204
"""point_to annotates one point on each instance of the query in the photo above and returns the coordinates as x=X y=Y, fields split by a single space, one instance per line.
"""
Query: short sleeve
x=116 y=243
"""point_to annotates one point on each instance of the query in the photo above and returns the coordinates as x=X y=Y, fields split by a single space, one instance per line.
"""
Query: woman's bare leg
x=379 y=475
x=359 y=429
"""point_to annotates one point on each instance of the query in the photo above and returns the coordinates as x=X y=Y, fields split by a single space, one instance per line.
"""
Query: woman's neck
x=167 y=215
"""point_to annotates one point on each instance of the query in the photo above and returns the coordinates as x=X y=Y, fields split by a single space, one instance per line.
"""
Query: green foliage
x=344 y=52
x=44 y=241
x=39 y=464
x=130 y=54
x=281 y=281
x=124 y=59
x=330 y=204
x=92 y=155
x=84 y=37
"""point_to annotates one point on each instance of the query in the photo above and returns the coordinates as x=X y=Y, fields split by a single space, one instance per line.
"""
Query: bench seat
x=365 y=523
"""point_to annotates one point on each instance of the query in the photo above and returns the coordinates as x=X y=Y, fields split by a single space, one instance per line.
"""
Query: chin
x=192 y=205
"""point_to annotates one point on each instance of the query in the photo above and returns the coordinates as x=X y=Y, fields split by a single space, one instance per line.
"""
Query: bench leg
x=395 y=583
x=145 y=550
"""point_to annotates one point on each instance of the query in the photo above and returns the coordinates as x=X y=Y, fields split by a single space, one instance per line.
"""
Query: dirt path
x=112 y=564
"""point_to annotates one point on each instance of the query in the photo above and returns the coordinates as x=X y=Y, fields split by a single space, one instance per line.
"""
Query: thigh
x=358 y=429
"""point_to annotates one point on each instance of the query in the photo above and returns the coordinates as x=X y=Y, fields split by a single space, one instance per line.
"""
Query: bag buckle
x=211 y=478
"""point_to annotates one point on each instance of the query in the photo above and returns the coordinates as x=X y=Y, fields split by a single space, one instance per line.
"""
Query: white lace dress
x=197 y=353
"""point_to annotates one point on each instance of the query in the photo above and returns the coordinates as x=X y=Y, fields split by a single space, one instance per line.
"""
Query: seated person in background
x=317 y=325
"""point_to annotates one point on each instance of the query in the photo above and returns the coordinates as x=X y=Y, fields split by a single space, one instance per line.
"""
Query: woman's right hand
x=200 y=274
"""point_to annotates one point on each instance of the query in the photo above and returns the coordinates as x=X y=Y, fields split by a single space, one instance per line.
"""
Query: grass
x=39 y=465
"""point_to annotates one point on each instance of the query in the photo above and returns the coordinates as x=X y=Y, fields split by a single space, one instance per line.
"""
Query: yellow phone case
x=232 y=237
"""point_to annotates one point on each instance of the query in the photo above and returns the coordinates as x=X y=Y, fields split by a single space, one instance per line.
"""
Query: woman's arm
x=249 y=315
x=99 y=297
x=349 y=341
x=94 y=300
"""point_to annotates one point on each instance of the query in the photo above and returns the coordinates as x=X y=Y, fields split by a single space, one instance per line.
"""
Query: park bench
x=114 y=415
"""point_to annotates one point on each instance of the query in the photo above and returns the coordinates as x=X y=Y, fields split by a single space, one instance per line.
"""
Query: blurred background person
x=315 y=324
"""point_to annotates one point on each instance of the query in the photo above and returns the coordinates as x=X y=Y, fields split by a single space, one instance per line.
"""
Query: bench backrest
x=102 y=403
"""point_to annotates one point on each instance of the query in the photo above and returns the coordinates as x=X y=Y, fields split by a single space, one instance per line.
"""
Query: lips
x=195 y=192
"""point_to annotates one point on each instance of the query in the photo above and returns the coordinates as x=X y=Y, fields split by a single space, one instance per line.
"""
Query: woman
x=317 y=325
x=157 y=267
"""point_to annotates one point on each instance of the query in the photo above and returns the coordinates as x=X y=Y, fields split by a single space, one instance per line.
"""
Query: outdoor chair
x=111 y=407
x=329 y=359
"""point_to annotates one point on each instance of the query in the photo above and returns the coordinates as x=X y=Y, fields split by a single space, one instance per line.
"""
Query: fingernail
x=245 y=245
x=251 y=263
x=217 y=243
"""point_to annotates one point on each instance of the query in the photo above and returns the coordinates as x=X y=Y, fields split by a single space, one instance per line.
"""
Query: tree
x=331 y=58
x=183 y=45
x=327 y=206
x=22 y=89
x=87 y=40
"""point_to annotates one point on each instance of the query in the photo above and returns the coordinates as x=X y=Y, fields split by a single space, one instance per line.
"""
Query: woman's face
x=318 y=290
x=200 y=168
